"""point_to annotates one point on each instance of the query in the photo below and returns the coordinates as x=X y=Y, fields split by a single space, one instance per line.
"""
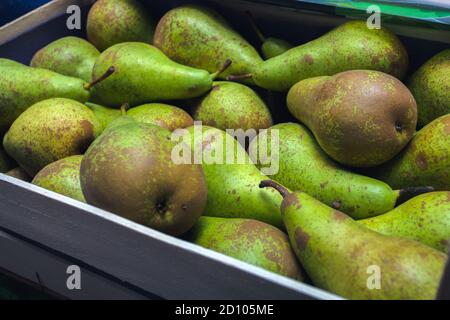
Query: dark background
x=12 y=9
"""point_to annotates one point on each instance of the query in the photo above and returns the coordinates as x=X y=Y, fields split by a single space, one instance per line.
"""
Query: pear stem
x=108 y=72
x=224 y=67
x=239 y=77
x=407 y=193
x=270 y=183
x=255 y=27
x=124 y=108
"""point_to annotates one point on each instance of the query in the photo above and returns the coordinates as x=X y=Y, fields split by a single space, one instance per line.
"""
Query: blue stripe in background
x=12 y=9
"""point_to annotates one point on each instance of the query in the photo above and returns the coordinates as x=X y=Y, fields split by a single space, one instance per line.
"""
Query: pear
x=430 y=85
x=232 y=106
x=105 y=115
x=70 y=56
x=114 y=21
x=19 y=173
x=6 y=163
x=199 y=37
x=303 y=166
x=425 y=218
x=142 y=73
x=271 y=47
x=163 y=115
x=347 y=47
x=129 y=171
x=62 y=176
x=425 y=161
x=23 y=86
x=360 y=118
x=231 y=176
x=50 y=130
x=251 y=241
x=342 y=256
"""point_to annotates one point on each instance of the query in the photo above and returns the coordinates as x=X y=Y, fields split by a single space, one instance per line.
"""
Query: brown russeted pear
x=70 y=56
x=350 y=46
x=271 y=47
x=231 y=105
x=430 y=85
x=425 y=161
x=129 y=171
x=142 y=73
x=343 y=256
x=20 y=174
x=425 y=218
x=163 y=115
x=22 y=86
x=231 y=176
x=50 y=130
x=303 y=166
x=251 y=241
x=62 y=176
x=199 y=37
x=115 y=21
x=360 y=118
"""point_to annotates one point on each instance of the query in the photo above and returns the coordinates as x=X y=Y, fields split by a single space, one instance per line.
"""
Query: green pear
x=231 y=105
x=347 y=47
x=142 y=73
x=129 y=171
x=430 y=85
x=342 y=256
x=62 y=176
x=425 y=161
x=231 y=176
x=19 y=173
x=104 y=115
x=6 y=163
x=360 y=118
x=271 y=47
x=199 y=37
x=22 y=86
x=163 y=115
x=50 y=130
x=114 y=21
x=251 y=241
x=70 y=56
x=425 y=218
x=303 y=166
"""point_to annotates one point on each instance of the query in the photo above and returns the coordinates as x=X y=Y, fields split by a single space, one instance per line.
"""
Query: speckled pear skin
x=199 y=37
x=430 y=85
x=425 y=161
x=115 y=21
x=425 y=218
x=70 y=56
x=336 y=252
x=22 y=86
x=144 y=74
x=360 y=118
x=273 y=47
x=6 y=163
x=128 y=170
x=104 y=115
x=303 y=166
x=347 y=47
x=250 y=241
x=62 y=176
x=50 y=130
x=231 y=105
x=232 y=187
x=20 y=174
x=163 y=115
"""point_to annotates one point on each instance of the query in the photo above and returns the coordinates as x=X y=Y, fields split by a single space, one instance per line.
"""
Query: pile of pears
x=360 y=202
